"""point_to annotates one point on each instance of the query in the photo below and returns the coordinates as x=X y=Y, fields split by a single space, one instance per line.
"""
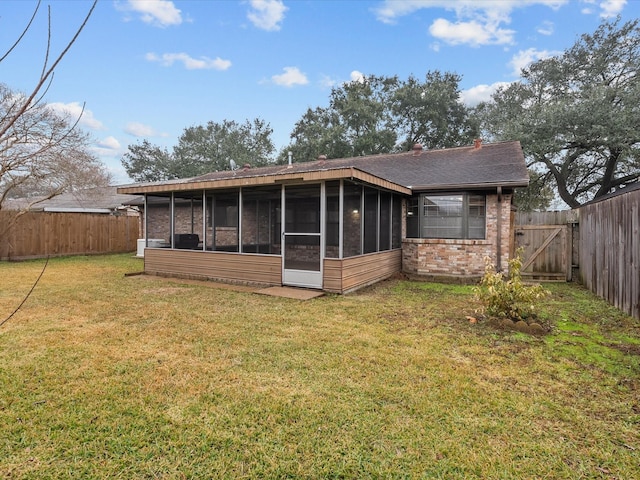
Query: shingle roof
x=490 y=165
x=103 y=199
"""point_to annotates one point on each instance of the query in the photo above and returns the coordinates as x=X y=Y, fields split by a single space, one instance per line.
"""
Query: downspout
x=499 y=236
x=145 y=220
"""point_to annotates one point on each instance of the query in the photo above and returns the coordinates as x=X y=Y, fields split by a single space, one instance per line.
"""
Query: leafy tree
x=577 y=114
x=318 y=132
x=210 y=147
x=430 y=112
x=147 y=163
x=357 y=122
x=363 y=114
x=383 y=114
x=537 y=197
x=202 y=149
x=42 y=153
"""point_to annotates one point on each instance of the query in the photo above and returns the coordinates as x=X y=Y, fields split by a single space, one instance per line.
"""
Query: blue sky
x=148 y=69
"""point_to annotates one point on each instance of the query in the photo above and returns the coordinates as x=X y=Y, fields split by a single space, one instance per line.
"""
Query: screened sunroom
x=335 y=235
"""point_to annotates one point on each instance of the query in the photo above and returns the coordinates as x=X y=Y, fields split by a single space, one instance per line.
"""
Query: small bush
x=508 y=297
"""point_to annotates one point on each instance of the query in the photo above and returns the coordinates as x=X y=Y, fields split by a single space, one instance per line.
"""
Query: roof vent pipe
x=417 y=149
x=289 y=154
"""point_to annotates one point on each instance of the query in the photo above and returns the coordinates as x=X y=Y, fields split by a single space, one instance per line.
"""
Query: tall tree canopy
x=577 y=114
x=202 y=149
x=378 y=114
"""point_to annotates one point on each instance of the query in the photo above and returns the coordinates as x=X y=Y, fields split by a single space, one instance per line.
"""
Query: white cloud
x=292 y=76
x=109 y=143
x=524 y=58
x=190 y=63
x=587 y=10
x=611 y=8
x=159 y=13
x=139 y=130
x=357 y=76
x=108 y=147
x=267 y=14
x=480 y=93
x=472 y=33
x=545 y=28
x=391 y=10
x=73 y=111
x=477 y=22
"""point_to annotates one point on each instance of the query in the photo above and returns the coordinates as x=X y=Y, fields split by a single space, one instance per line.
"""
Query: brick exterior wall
x=158 y=219
x=462 y=258
x=426 y=257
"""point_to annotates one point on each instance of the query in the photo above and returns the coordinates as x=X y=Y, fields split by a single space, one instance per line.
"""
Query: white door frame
x=301 y=277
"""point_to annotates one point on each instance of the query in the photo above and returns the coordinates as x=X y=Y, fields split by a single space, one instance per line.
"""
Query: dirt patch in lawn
x=629 y=349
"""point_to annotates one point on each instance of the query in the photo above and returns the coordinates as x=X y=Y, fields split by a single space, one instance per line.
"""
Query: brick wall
x=158 y=219
x=464 y=258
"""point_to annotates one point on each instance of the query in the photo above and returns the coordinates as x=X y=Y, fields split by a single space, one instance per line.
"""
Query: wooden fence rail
x=42 y=234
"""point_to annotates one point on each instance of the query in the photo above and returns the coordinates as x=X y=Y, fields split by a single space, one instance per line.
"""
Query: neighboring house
x=93 y=200
x=341 y=224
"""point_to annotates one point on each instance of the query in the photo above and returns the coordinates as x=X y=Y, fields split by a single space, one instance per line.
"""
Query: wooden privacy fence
x=597 y=244
x=610 y=250
x=41 y=234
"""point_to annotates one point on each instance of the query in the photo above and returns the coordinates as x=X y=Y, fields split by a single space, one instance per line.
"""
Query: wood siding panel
x=42 y=234
x=332 y=275
x=229 y=267
x=609 y=250
x=341 y=276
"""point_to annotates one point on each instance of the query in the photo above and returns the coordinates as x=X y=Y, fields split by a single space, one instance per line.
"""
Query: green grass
x=107 y=376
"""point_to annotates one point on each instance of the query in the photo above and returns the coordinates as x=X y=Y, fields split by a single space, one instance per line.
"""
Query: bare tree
x=42 y=152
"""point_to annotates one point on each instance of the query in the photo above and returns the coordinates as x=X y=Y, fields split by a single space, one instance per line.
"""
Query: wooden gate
x=547 y=247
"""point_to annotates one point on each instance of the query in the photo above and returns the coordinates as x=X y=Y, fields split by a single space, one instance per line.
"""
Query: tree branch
x=46 y=75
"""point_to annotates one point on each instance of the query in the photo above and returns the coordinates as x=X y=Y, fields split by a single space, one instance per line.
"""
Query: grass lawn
x=107 y=376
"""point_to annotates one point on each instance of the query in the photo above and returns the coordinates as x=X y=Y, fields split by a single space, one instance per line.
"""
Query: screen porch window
x=453 y=216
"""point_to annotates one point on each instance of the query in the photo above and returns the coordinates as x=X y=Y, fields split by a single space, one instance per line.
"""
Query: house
x=337 y=225
x=103 y=200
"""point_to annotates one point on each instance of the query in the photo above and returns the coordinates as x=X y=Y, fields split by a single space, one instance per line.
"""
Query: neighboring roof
x=94 y=200
x=489 y=166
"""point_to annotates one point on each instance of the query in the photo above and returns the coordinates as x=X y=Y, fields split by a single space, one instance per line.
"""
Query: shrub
x=508 y=297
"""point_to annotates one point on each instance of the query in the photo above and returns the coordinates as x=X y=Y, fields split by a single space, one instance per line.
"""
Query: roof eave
x=462 y=186
x=262 y=180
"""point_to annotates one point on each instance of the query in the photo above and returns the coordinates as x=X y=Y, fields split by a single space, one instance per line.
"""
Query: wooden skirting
x=228 y=267
x=348 y=274
x=340 y=276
